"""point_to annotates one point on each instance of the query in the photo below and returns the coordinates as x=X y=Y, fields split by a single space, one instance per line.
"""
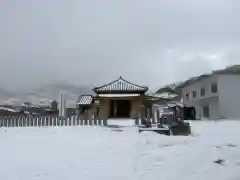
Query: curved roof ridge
x=132 y=83
x=121 y=84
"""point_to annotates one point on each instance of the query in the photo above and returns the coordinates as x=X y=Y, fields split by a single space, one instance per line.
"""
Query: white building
x=216 y=95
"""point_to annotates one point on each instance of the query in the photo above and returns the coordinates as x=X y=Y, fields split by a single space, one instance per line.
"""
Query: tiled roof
x=85 y=100
x=118 y=95
x=120 y=85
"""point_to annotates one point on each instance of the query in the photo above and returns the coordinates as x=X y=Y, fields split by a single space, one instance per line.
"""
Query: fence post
x=37 y=122
x=45 y=121
x=81 y=120
x=31 y=119
x=23 y=121
x=136 y=121
x=86 y=122
x=78 y=120
x=64 y=121
x=48 y=120
x=68 y=121
x=105 y=122
x=19 y=121
x=71 y=120
x=4 y=121
x=42 y=121
x=74 y=120
x=10 y=121
x=14 y=122
x=1 y=121
x=58 y=120
x=7 y=121
x=26 y=121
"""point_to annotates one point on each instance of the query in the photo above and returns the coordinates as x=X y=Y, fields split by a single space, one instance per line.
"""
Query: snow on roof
x=85 y=100
x=164 y=95
x=118 y=95
x=120 y=85
x=8 y=109
x=175 y=104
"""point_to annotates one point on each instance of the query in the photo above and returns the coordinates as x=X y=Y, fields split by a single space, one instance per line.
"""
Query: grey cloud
x=91 y=42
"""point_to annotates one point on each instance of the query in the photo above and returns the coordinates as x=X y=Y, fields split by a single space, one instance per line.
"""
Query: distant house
x=167 y=95
x=9 y=111
x=215 y=95
x=117 y=99
x=84 y=103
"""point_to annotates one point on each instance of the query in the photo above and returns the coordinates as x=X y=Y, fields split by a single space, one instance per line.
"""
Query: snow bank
x=121 y=153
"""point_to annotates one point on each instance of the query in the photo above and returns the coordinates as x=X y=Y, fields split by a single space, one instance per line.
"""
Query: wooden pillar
x=154 y=114
x=142 y=114
x=158 y=115
x=148 y=115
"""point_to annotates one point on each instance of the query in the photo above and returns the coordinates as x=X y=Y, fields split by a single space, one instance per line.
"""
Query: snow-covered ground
x=89 y=153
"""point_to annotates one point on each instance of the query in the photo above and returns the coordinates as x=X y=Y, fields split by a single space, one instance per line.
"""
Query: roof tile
x=85 y=100
x=120 y=85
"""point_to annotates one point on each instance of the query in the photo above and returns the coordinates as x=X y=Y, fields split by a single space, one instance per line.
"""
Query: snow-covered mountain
x=44 y=94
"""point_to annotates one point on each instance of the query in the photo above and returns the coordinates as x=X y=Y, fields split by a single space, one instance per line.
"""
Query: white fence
x=18 y=121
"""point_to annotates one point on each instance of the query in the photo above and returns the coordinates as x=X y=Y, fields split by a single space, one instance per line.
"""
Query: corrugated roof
x=120 y=85
x=85 y=100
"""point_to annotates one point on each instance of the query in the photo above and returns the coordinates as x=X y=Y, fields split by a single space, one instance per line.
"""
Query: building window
x=187 y=95
x=194 y=94
x=203 y=91
x=214 y=88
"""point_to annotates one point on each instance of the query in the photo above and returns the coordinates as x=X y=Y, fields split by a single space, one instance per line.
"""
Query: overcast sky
x=149 y=42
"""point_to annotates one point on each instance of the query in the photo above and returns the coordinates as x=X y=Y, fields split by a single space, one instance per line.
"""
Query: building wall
x=209 y=99
x=229 y=96
x=104 y=107
x=135 y=103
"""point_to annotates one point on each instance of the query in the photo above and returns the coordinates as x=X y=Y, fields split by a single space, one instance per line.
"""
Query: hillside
x=45 y=94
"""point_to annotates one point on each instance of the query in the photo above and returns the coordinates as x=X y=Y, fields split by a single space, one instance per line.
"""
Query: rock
x=219 y=161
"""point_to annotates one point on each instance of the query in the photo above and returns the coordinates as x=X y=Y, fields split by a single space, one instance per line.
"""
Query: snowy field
x=88 y=153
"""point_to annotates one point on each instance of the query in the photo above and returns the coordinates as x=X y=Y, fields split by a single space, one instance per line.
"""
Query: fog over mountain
x=87 y=43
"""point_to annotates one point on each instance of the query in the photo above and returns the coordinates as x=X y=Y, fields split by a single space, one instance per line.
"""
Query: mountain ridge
x=44 y=94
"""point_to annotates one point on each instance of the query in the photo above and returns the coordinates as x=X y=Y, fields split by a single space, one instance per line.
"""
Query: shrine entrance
x=120 y=109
